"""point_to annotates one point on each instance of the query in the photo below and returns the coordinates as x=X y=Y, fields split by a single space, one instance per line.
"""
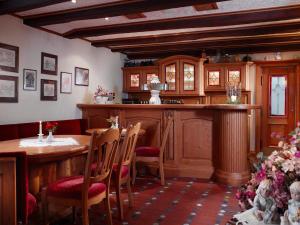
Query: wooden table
x=47 y=164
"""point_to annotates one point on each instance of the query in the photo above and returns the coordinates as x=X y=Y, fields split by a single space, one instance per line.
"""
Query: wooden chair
x=93 y=186
x=149 y=154
x=121 y=171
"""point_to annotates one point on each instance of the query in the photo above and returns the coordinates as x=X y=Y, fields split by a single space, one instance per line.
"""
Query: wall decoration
x=65 y=83
x=48 y=90
x=49 y=64
x=8 y=89
x=81 y=76
x=9 y=58
x=29 y=80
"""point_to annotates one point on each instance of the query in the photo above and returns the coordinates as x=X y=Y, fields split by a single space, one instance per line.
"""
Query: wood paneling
x=8 y=207
x=221 y=19
x=201 y=140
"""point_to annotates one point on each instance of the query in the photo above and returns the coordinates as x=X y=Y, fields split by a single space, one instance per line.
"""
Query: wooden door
x=277 y=97
x=189 y=82
x=214 y=78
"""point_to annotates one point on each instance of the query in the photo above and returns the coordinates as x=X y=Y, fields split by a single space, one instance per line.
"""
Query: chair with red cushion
x=92 y=187
x=150 y=154
x=25 y=202
x=121 y=170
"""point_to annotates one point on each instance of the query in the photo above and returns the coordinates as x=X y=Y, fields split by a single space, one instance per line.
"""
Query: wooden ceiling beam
x=119 y=8
x=218 y=43
x=211 y=20
x=211 y=52
x=12 y=6
x=190 y=36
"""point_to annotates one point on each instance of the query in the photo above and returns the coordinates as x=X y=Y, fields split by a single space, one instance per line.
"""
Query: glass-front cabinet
x=181 y=75
x=217 y=75
x=135 y=77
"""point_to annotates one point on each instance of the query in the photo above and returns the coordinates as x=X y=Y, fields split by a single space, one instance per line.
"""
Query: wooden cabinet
x=181 y=73
x=135 y=77
x=216 y=75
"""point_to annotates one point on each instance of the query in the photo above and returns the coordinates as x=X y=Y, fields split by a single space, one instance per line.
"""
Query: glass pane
x=189 y=77
x=150 y=76
x=214 y=78
x=134 y=80
x=171 y=77
x=234 y=76
x=278 y=96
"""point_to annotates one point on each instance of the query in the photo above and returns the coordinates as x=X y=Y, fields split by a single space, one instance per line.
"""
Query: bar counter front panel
x=205 y=141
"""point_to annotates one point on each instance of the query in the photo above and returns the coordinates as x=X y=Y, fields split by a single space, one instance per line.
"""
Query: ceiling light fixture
x=73 y=1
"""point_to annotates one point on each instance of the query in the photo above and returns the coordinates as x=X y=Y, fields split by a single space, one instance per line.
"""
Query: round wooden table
x=47 y=164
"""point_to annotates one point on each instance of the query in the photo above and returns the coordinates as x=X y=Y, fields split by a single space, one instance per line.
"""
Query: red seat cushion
x=31 y=204
x=147 y=151
x=8 y=132
x=124 y=170
x=71 y=187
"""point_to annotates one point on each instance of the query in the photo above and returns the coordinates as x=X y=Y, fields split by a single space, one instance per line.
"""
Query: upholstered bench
x=24 y=130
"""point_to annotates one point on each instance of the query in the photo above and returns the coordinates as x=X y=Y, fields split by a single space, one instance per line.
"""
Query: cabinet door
x=214 y=79
x=235 y=75
x=189 y=82
x=170 y=76
x=149 y=74
x=133 y=80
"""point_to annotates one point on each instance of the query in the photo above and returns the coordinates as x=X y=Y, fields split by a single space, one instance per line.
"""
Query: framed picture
x=8 y=89
x=65 y=83
x=29 y=80
x=48 y=90
x=9 y=58
x=81 y=76
x=49 y=64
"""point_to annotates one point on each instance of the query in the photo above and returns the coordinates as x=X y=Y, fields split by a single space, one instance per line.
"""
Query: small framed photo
x=9 y=58
x=81 y=76
x=49 y=64
x=8 y=89
x=65 y=83
x=48 y=90
x=29 y=80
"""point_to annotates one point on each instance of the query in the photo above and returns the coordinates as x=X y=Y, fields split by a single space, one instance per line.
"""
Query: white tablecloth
x=56 y=142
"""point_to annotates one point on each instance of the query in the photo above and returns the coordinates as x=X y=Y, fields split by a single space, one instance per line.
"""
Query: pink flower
x=297 y=154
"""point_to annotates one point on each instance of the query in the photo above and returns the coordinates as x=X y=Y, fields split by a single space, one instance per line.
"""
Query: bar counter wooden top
x=172 y=106
x=205 y=141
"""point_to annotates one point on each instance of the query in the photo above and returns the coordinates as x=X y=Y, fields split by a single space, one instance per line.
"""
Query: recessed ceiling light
x=106 y=18
x=73 y=1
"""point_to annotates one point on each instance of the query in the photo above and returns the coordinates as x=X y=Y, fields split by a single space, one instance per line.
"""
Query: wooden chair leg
x=162 y=174
x=133 y=169
x=85 y=215
x=130 y=199
x=44 y=206
x=74 y=215
x=119 y=201
x=108 y=211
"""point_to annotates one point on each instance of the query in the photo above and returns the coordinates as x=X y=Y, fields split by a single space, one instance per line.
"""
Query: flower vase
x=50 y=137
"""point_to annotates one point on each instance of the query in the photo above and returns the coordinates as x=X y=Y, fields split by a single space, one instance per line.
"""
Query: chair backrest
x=128 y=146
x=165 y=136
x=102 y=151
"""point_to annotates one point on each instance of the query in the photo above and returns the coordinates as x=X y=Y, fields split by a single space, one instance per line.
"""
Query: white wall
x=104 y=69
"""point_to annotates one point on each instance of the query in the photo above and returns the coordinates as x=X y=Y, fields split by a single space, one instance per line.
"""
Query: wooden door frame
x=258 y=89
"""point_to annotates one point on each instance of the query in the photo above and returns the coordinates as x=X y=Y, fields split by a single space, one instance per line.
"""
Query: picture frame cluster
x=9 y=61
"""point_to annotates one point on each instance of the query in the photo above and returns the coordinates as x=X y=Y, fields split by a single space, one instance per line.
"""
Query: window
x=189 y=77
x=171 y=77
x=278 y=95
x=214 y=78
x=234 y=76
x=134 y=80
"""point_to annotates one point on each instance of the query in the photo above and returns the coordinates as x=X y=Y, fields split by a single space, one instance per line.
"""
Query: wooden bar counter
x=205 y=141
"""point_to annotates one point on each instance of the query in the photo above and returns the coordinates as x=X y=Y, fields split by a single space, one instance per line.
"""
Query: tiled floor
x=182 y=201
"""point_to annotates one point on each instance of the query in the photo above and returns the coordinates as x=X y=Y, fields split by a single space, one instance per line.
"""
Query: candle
x=40 y=128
